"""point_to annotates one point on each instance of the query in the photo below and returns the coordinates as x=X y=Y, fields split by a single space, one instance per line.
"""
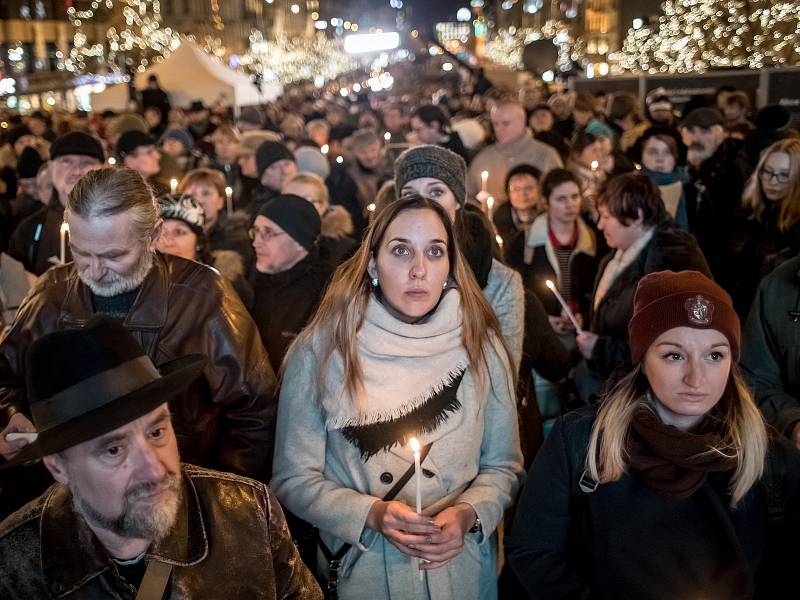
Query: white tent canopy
x=190 y=74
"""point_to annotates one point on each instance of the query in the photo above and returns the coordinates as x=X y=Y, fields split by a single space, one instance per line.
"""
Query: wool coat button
x=428 y=474
x=386 y=478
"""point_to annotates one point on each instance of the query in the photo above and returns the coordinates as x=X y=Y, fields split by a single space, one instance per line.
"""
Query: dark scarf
x=672 y=462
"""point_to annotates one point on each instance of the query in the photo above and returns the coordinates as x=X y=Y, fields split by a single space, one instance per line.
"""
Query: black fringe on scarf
x=427 y=417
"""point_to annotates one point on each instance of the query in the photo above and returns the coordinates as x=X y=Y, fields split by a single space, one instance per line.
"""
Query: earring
x=375 y=282
x=444 y=285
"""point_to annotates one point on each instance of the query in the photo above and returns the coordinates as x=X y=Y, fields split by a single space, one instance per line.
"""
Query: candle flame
x=485 y=175
x=550 y=284
x=595 y=164
x=371 y=207
x=414 y=443
x=490 y=202
x=64 y=227
x=499 y=240
x=387 y=136
x=229 y=191
x=324 y=148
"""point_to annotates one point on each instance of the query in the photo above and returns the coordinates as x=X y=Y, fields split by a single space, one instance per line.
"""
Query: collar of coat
x=537 y=236
x=72 y=555
x=149 y=310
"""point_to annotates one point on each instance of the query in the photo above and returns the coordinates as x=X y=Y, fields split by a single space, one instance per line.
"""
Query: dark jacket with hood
x=771 y=346
x=36 y=242
x=624 y=540
x=285 y=302
x=48 y=551
x=670 y=249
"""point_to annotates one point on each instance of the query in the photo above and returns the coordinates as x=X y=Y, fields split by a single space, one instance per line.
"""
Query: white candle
x=173 y=185
x=484 y=179
x=414 y=443
x=490 y=204
x=571 y=316
x=229 y=199
x=63 y=233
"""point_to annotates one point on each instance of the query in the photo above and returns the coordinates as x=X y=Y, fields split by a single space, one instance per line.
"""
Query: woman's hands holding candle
x=401 y=525
x=586 y=341
x=455 y=522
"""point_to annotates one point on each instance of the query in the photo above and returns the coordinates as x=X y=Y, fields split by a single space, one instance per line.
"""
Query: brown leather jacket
x=230 y=540
x=226 y=419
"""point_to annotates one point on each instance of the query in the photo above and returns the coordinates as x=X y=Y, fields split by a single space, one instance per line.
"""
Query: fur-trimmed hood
x=336 y=222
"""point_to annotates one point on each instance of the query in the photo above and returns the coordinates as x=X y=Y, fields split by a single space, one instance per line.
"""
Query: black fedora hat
x=83 y=383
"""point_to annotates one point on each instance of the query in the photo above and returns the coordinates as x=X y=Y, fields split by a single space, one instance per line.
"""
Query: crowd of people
x=313 y=347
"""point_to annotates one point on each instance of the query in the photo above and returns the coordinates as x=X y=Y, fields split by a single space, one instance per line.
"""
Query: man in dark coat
x=172 y=306
x=290 y=277
x=276 y=165
x=37 y=240
x=714 y=191
x=154 y=96
x=125 y=511
x=771 y=348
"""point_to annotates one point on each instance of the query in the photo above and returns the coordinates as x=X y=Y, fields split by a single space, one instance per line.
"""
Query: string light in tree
x=695 y=35
x=508 y=45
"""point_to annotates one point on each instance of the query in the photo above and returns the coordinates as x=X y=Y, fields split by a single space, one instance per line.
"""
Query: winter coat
x=285 y=302
x=505 y=293
x=540 y=264
x=670 y=249
x=713 y=194
x=771 y=346
x=226 y=418
x=336 y=242
x=671 y=187
x=509 y=227
x=321 y=477
x=230 y=265
x=229 y=232
x=48 y=551
x=343 y=191
x=36 y=242
x=452 y=141
x=624 y=540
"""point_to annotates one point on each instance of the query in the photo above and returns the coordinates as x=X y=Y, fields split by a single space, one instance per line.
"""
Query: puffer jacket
x=48 y=551
x=226 y=419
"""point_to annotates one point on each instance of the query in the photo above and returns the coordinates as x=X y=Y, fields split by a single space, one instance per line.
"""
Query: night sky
x=429 y=12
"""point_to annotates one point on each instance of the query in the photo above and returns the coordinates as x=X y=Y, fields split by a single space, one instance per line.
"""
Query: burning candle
x=571 y=316
x=173 y=185
x=595 y=165
x=415 y=447
x=63 y=233
x=387 y=136
x=324 y=148
x=484 y=180
x=229 y=199
x=490 y=203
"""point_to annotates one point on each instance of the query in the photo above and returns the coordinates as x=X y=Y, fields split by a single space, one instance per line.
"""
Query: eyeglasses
x=263 y=234
x=768 y=175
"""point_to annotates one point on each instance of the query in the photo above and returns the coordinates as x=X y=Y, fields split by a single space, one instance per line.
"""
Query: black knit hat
x=17 y=132
x=296 y=216
x=29 y=163
x=270 y=152
x=522 y=169
x=77 y=143
x=435 y=162
x=183 y=208
x=129 y=141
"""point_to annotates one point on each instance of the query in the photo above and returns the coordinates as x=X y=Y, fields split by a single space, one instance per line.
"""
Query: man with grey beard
x=125 y=518
x=225 y=419
x=714 y=191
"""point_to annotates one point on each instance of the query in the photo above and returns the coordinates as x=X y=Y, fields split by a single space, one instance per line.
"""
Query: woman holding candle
x=644 y=239
x=674 y=487
x=404 y=344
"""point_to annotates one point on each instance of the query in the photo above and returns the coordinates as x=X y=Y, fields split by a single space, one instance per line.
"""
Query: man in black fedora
x=125 y=518
x=199 y=125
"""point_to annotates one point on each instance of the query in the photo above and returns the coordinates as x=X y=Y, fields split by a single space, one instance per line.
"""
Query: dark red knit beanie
x=666 y=299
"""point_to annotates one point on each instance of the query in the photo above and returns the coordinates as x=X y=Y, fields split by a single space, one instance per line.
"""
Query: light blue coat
x=320 y=477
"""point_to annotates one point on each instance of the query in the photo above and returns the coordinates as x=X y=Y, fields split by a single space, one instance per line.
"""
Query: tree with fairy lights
x=134 y=36
x=695 y=35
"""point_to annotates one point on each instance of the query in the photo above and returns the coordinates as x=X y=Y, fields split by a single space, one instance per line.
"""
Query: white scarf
x=403 y=364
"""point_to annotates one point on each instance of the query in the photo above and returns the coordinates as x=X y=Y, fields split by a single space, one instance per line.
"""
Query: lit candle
x=490 y=204
x=229 y=199
x=387 y=136
x=571 y=316
x=371 y=207
x=595 y=165
x=173 y=185
x=499 y=240
x=414 y=443
x=64 y=231
x=324 y=148
x=484 y=179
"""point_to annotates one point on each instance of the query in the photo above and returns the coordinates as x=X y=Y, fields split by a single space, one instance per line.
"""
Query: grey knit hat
x=435 y=162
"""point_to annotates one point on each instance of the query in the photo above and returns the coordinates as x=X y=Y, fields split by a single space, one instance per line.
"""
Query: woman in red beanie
x=673 y=488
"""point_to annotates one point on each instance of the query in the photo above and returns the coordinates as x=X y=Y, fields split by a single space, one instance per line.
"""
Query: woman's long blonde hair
x=343 y=307
x=743 y=434
x=753 y=196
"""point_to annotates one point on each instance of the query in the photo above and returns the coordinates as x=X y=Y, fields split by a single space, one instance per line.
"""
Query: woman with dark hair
x=404 y=345
x=586 y=161
x=515 y=216
x=644 y=239
x=660 y=162
x=673 y=487
x=431 y=125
